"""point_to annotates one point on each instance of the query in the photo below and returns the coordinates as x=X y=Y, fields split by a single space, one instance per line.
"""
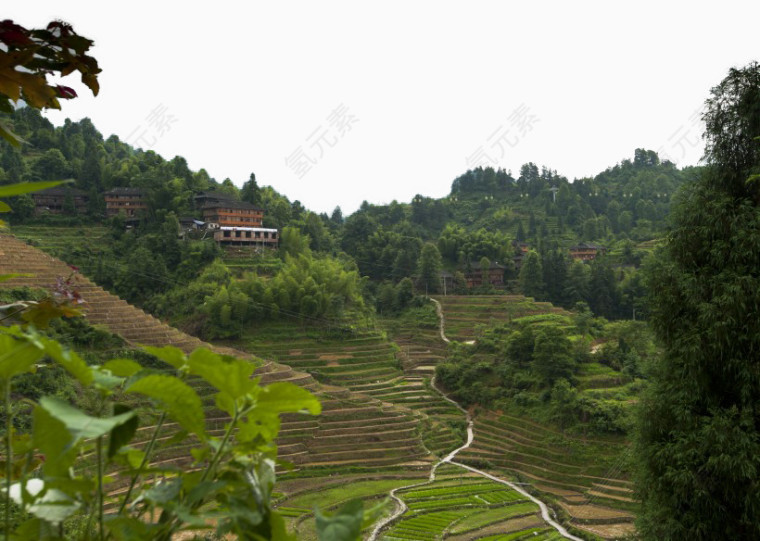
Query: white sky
x=241 y=86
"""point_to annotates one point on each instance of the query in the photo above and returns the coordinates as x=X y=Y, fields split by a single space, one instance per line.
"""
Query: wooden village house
x=130 y=201
x=586 y=251
x=54 y=201
x=235 y=223
x=495 y=273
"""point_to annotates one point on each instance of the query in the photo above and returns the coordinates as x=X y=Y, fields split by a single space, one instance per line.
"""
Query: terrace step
x=367 y=422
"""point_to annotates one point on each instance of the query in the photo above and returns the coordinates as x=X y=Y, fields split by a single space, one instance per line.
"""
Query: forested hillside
x=335 y=279
x=523 y=226
x=528 y=357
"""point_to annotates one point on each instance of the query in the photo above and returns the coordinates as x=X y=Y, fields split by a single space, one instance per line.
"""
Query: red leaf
x=13 y=34
x=65 y=92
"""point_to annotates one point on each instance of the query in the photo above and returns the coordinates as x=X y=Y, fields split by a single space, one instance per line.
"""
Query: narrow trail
x=441 y=320
x=401 y=507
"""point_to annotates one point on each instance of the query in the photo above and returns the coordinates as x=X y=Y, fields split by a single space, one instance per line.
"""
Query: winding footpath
x=401 y=507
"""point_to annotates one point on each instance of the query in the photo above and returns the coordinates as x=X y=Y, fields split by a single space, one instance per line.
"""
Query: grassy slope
x=586 y=477
x=369 y=362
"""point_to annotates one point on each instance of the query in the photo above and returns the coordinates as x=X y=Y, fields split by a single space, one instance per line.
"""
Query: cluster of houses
x=236 y=223
x=53 y=201
x=585 y=251
x=231 y=222
x=475 y=277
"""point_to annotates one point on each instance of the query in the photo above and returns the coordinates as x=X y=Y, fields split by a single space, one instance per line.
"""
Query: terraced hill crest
x=353 y=430
x=463 y=313
x=596 y=494
x=383 y=423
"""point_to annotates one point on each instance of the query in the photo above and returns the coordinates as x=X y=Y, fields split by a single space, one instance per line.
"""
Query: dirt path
x=442 y=324
x=401 y=507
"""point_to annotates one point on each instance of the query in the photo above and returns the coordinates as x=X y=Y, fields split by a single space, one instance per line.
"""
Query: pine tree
x=520 y=235
x=552 y=355
x=698 y=438
x=250 y=192
x=485 y=271
x=531 y=276
x=429 y=268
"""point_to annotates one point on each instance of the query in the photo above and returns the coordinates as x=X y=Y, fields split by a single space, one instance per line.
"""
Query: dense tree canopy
x=429 y=267
x=699 y=437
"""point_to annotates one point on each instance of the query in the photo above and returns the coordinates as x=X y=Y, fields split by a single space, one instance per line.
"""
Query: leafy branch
x=29 y=56
x=229 y=486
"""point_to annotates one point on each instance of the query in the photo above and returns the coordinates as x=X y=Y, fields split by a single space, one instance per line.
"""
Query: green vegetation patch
x=480 y=519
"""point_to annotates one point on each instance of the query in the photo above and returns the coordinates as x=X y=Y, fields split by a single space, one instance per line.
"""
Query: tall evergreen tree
x=91 y=174
x=520 y=235
x=698 y=438
x=429 y=267
x=531 y=276
x=250 y=192
x=337 y=216
x=604 y=293
x=555 y=267
x=577 y=285
x=485 y=270
x=552 y=357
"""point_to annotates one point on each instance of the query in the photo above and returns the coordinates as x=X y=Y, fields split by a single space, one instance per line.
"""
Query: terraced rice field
x=265 y=264
x=56 y=240
x=355 y=431
x=464 y=313
x=459 y=506
x=367 y=363
x=299 y=497
x=381 y=421
x=585 y=478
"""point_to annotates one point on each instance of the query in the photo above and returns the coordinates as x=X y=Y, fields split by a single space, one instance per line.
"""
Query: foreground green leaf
x=122 y=434
x=79 y=424
x=12 y=190
x=179 y=399
x=123 y=368
x=68 y=359
x=17 y=356
x=124 y=528
x=284 y=397
x=53 y=440
x=229 y=375
x=345 y=525
x=169 y=354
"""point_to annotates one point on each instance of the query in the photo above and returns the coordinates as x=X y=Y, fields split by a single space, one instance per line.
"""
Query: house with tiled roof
x=53 y=200
x=495 y=274
x=235 y=223
x=130 y=201
x=586 y=251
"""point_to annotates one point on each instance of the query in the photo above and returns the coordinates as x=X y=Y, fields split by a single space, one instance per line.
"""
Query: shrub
x=230 y=485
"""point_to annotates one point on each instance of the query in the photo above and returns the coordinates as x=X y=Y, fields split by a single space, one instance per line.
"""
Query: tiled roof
x=125 y=190
x=229 y=204
x=62 y=190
